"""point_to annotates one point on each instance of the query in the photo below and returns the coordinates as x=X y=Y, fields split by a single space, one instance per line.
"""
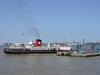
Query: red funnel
x=38 y=42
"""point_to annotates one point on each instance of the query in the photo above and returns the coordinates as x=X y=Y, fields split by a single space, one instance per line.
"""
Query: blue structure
x=88 y=48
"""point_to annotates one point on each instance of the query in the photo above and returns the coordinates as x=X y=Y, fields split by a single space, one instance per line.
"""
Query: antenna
x=83 y=41
x=64 y=37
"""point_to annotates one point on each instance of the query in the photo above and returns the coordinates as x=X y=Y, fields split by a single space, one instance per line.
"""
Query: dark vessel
x=27 y=51
x=37 y=47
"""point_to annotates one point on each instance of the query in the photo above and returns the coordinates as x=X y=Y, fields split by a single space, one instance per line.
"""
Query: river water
x=30 y=64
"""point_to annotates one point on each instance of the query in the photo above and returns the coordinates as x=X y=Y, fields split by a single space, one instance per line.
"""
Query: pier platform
x=76 y=53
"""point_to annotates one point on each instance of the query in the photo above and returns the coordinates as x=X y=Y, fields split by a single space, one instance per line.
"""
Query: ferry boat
x=36 y=47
